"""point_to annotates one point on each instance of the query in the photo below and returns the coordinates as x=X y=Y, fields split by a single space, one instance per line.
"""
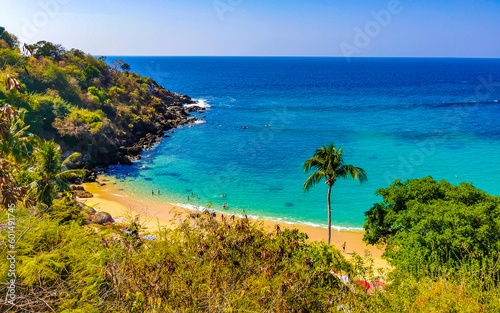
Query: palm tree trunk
x=329 y=214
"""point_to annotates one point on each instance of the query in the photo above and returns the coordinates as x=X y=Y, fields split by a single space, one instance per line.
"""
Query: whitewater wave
x=201 y=103
x=192 y=207
x=200 y=208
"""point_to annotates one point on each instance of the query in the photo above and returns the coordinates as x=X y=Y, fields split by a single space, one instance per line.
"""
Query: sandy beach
x=153 y=214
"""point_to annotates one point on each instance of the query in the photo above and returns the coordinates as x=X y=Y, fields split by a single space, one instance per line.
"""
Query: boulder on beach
x=83 y=194
x=102 y=218
x=80 y=192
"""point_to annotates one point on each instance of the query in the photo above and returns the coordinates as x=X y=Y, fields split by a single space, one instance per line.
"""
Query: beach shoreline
x=155 y=215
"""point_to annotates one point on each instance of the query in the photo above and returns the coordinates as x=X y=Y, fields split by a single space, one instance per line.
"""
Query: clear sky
x=367 y=28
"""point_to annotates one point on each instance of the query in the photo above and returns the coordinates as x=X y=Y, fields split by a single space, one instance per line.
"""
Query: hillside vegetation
x=101 y=111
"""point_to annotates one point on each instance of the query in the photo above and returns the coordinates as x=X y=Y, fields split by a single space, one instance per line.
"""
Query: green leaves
x=57 y=265
x=431 y=226
x=231 y=264
x=313 y=180
x=50 y=175
x=329 y=164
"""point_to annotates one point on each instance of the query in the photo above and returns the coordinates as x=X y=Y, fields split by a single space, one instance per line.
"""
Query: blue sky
x=389 y=28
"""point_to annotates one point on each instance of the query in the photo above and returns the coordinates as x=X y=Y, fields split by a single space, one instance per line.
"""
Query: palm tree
x=14 y=140
x=51 y=175
x=14 y=143
x=328 y=163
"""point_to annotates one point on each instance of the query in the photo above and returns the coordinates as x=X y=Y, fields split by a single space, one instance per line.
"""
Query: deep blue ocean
x=395 y=117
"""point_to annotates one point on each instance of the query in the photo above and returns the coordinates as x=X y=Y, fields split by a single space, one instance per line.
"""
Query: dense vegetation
x=429 y=227
x=442 y=240
x=435 y=230
x=204 y=265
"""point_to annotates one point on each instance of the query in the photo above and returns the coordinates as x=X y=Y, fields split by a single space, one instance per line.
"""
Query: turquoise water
x=396 y=118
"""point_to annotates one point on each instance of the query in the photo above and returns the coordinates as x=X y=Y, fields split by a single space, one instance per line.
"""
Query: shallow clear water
x=395 y=117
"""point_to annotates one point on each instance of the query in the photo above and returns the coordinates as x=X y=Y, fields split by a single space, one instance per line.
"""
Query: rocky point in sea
x=173 y=112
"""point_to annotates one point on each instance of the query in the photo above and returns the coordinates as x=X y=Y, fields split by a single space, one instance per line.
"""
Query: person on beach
x=158 y=191
x=343 y=247
x=153 y=192
x=188 y=198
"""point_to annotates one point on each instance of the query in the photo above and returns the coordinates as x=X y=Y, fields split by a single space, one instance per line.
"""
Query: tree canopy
x=9 y=39
x=427 y=225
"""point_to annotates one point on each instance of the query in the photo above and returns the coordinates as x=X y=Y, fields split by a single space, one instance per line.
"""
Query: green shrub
x=432 y=228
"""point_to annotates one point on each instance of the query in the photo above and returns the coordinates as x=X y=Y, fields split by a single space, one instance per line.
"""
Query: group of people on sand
x=153 y=192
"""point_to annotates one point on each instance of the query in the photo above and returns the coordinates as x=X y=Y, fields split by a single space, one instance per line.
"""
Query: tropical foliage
x=81 y=102
x=328 y=164
x=430 y=228
x=50 y=175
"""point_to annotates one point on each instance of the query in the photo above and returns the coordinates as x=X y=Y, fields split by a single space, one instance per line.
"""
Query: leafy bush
x=99 y=94
x=10 y=39
x=432 y=227
x=57 y=265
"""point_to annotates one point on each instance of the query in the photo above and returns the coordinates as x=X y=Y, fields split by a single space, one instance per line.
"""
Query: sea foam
x=202 y=103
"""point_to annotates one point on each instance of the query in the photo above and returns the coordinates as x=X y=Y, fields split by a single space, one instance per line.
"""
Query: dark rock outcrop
x=126 y=147
x=194 y=108
x=102 y=218
x=80 y=192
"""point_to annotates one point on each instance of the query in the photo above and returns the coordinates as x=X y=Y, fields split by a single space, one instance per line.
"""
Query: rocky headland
x=171 y=112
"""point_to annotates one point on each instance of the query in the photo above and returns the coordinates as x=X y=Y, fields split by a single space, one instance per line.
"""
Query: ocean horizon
x=398 y=118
